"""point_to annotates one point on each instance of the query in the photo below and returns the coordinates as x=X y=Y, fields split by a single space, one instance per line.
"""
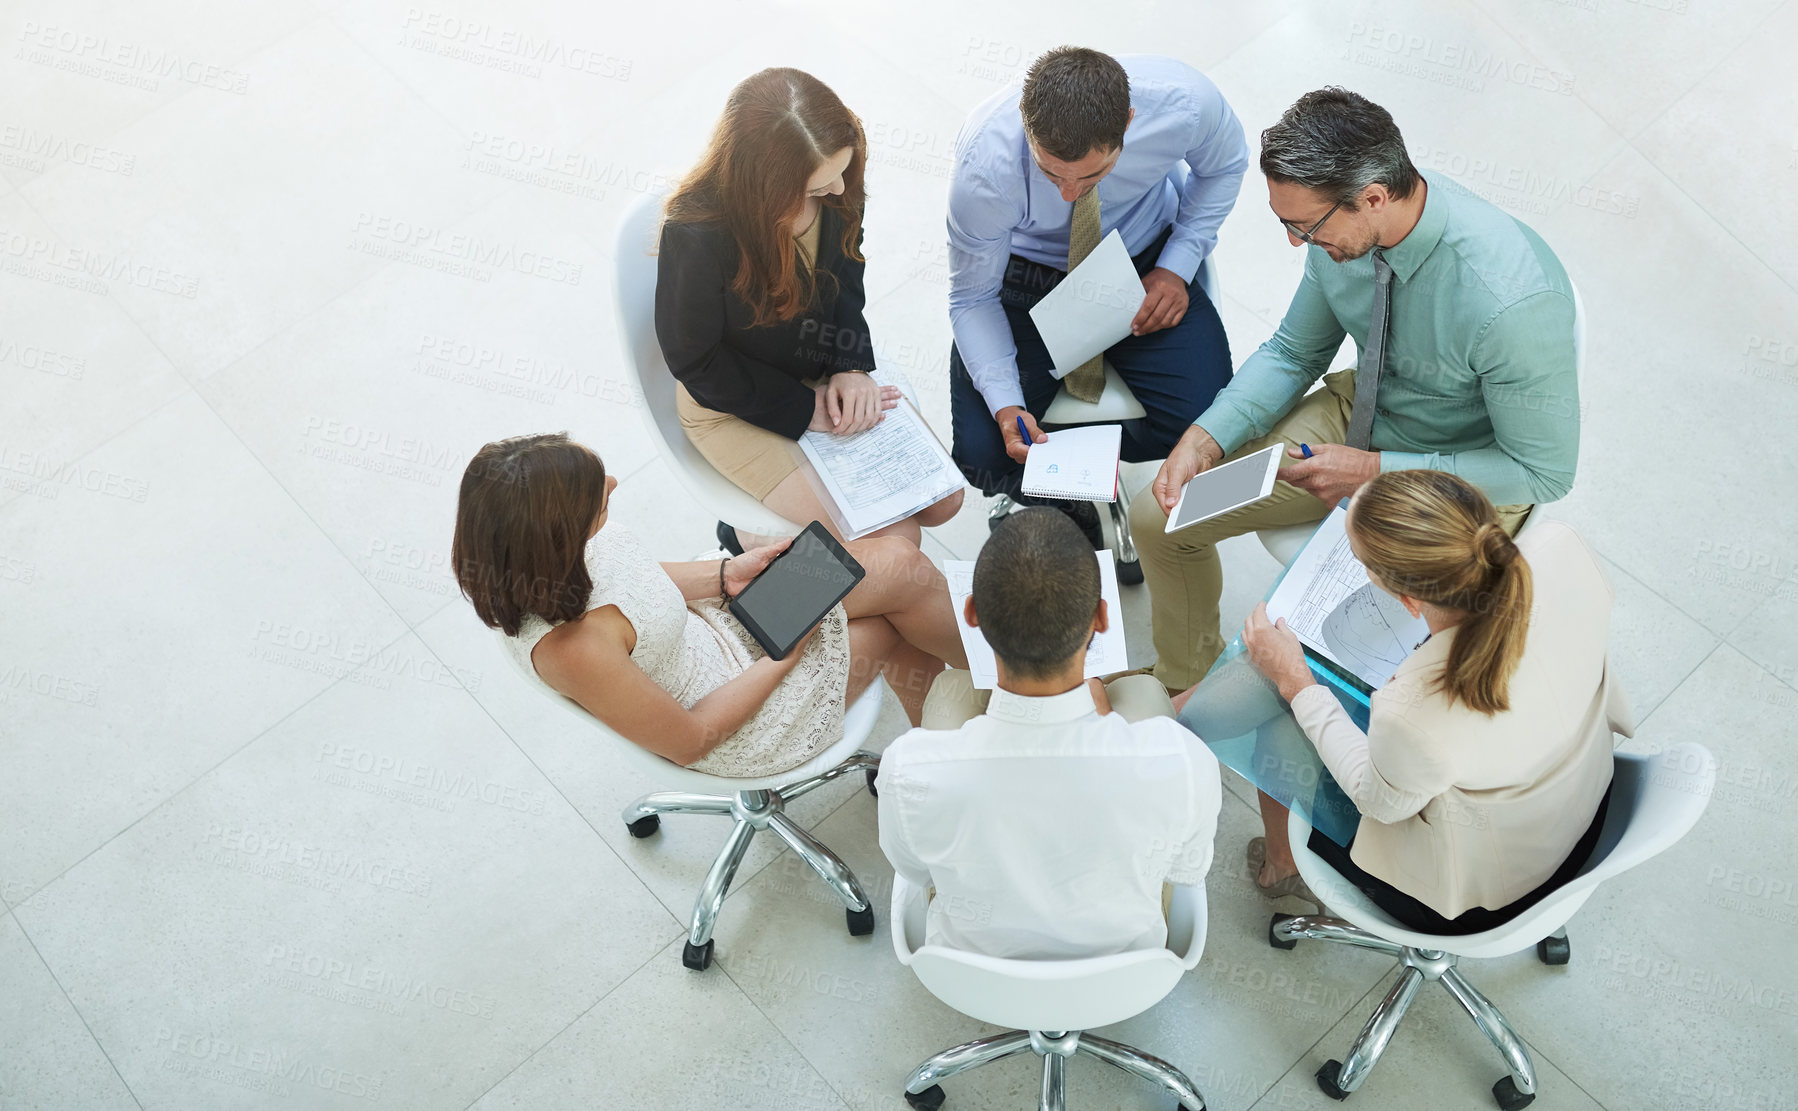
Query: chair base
x=1340 y=1079
x=750 y=812
x=923 y=1091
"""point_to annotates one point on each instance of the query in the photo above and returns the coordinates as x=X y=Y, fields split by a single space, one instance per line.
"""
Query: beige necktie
x=1086 y=381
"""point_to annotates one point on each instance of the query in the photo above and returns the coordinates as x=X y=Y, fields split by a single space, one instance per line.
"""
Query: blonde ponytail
x=1434 y=537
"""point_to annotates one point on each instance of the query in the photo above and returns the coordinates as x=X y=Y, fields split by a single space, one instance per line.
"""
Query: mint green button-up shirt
x=1479 y=378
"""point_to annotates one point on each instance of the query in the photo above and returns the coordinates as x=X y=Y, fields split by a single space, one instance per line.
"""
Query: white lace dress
x=690 y=649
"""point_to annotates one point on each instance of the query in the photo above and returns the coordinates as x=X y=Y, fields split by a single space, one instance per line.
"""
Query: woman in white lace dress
x=650 y=649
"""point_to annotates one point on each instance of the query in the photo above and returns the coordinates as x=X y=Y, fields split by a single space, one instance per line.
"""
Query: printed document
x=1328 y=600
x=1092 y=307
x=1107 y=652
x=884 y=474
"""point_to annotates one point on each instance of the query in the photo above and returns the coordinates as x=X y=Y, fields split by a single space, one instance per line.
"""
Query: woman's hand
x=1274 y=650
x=851 y=402
x=740 y=570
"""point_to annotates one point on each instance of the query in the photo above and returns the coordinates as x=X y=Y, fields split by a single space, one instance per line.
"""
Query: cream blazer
x=1462 y=810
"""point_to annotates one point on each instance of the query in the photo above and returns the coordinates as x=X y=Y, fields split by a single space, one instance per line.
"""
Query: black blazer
x=757 y=374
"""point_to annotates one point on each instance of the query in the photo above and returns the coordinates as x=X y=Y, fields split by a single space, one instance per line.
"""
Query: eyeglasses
x=1305 y=236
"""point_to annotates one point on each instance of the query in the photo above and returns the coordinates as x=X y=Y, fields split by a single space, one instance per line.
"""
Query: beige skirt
x=753 y=458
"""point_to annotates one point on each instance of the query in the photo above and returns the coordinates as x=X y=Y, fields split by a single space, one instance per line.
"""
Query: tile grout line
x=625 y=979
x=76 y=1011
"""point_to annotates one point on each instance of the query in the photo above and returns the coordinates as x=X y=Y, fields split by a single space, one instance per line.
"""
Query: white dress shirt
x=1046 y=829
x=1182 y=164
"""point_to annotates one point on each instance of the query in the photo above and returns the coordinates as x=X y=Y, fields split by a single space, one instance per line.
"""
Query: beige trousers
x=1182 y=570
x=953 y=701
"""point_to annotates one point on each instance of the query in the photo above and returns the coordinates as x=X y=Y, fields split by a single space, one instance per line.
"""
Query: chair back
x=634 y=284
x=858 y=722
x=1049 y=995
x=1655 y=801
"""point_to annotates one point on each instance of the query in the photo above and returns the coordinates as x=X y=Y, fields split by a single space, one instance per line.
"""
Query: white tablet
x=1230 y=486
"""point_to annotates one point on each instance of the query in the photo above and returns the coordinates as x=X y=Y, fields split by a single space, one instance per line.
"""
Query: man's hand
x=1163 y=303
x=851 y=402
x=1334 y=471
x=1274 y=650
x=1008 y=428
x=1196 y=451
x=739 y=571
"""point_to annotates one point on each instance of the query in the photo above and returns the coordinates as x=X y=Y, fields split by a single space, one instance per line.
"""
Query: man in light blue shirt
x=1155 y=145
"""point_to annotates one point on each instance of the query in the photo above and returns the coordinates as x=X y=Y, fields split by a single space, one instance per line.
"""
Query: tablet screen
x=797 y=589
x=1224 y=488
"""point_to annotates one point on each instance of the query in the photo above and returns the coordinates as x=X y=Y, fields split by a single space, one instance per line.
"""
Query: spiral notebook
x=1079 y=464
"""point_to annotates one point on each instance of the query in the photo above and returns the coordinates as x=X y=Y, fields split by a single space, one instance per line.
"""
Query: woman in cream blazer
x=1484 y=773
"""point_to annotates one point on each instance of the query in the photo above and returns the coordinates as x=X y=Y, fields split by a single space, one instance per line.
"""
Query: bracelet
x=721 y=591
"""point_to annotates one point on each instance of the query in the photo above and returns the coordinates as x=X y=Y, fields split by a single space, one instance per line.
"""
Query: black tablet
x=794 y=592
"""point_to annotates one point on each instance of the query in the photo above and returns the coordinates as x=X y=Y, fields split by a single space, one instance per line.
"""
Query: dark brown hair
x=1435 y=537
x=778 y=127
x=523 y=515
x=1036 y=588
x=1074 y=100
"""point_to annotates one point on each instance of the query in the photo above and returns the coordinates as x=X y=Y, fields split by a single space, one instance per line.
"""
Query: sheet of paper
x=1080 y=464
x=885 y=474
x=1106 y=654
x=1092 y=307
x=1327 y=599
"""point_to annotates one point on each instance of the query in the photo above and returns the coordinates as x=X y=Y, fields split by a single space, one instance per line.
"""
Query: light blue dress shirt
x=1182 y=164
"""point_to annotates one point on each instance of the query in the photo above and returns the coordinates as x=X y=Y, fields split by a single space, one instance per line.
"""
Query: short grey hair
x=1338 y=143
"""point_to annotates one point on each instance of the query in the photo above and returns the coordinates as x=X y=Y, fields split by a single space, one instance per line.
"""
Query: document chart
x=1328 y=600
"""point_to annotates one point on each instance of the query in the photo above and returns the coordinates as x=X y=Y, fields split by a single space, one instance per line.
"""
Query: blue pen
x=1024 y=432
x=1306 y=448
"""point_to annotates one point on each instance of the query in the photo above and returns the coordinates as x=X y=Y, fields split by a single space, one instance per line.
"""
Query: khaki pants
x=953 y=701
x=1182 y=570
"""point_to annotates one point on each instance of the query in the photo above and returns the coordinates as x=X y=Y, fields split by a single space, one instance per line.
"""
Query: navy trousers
x=1174 y=373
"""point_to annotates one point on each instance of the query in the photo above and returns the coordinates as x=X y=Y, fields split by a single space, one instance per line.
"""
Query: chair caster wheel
x=1275 y=939
x=1130 y=574
x=929 y=1099
x=697 y=957
x=861 y=922
x=872 y=775
x=1326 y=1080
x=1554 y=950
x=1508 y=1097
x=644 y=827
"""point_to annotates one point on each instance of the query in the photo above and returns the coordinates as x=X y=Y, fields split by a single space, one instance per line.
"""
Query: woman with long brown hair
x=1483 y=776
x=759 y=293
x=651 y=649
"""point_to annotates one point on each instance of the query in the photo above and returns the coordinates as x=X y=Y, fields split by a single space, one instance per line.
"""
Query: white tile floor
x=279 y=829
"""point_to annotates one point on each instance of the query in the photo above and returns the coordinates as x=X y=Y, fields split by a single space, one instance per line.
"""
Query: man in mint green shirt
x=1477 y=371
x=1463 y=320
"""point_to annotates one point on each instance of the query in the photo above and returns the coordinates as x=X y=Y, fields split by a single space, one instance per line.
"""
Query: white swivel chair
x=635 y=292
x=751 y=804
x=1284 y=543
x=1655 y=800
x=1051 y=1003
x=1115 y=404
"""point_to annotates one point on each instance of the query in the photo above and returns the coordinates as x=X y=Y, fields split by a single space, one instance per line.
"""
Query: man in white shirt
x=1047 y=825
